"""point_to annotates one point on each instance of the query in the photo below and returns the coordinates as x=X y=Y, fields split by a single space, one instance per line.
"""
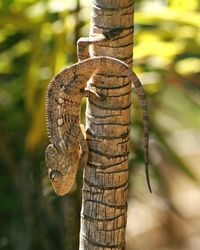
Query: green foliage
x=167 y=57
x=37 y=39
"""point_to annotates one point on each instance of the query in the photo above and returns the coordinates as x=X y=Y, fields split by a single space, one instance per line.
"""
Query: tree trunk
x=105 y=184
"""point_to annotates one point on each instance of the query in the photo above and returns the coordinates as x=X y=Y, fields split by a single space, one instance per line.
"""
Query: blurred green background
x=37 y=39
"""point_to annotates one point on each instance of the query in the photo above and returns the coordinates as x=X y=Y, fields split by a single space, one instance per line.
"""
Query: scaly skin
x=63 y=105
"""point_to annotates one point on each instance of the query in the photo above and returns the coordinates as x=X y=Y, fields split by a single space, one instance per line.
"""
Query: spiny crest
x=47 y=98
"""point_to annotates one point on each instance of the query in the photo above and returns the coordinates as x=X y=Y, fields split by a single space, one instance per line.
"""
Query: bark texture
x=105 y=184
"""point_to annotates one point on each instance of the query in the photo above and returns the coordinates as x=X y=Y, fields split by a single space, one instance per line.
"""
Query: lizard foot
x=92 y=94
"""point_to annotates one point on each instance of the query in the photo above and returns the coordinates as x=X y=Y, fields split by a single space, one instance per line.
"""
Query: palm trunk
x=105 y=185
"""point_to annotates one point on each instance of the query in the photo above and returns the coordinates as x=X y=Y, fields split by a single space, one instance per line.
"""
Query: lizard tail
x=143 y=101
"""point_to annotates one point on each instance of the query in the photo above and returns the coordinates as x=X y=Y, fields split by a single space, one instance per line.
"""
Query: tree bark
x=105 y=184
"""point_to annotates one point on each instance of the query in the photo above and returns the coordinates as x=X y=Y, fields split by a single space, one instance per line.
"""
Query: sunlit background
x=37 y=39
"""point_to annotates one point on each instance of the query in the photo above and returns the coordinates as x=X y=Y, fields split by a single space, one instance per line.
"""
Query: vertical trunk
x=105 y=185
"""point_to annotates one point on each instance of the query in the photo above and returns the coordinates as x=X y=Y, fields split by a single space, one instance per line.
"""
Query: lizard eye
x=55 y=175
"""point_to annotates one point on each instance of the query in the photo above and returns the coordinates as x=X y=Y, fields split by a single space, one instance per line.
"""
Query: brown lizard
x=83 y=53
x=63 y=105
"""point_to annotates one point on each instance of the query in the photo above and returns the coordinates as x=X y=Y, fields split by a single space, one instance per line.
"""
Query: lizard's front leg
x=84 y=147
x=92 y=95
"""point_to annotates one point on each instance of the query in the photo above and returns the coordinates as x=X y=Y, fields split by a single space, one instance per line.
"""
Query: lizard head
x=62 y=169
